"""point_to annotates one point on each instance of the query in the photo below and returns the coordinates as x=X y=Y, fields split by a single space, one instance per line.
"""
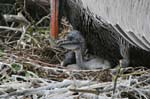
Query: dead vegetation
x=30 y=68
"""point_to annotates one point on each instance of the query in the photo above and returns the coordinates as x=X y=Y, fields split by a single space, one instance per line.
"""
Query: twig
x=22 y=36
x=116 y=78
x=16 y=18
x=41 y=90
x=10 y=28
x=43 y=18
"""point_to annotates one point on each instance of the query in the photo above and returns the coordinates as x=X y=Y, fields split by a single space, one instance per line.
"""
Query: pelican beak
x=69 y=45
x=54 y=18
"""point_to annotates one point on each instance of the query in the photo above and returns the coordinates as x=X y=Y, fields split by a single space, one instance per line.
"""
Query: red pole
x=54 y=18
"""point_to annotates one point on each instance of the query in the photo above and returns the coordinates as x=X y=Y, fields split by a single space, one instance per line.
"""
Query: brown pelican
x=113 y=29
x=75 y=42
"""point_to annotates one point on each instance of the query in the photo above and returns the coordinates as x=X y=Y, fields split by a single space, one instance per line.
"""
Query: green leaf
x=16 y=67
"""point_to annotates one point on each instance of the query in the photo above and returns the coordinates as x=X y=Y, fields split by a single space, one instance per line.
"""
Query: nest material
x=23 y=77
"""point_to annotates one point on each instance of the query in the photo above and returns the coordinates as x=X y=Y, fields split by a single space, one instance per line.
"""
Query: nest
x=30 y=69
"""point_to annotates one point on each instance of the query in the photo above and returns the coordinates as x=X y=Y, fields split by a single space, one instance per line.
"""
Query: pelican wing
x=130 y=17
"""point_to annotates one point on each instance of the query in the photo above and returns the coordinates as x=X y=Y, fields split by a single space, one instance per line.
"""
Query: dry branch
x=16 y=18
x=10 y=28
